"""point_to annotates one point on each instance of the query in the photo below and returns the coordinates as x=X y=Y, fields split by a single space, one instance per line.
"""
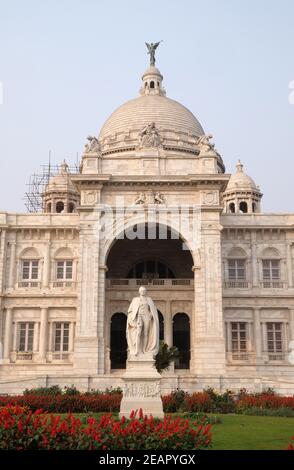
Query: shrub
x=23 y=431
x=175 y=401
x=44 y=391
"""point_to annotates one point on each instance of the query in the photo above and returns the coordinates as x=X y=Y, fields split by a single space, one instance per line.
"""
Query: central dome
x=167 y=114
x=177 y=126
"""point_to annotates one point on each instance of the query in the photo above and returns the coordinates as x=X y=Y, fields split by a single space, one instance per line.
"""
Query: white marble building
x=226 y=301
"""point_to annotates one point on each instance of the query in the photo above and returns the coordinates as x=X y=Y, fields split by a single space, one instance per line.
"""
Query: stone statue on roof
x=151 y=50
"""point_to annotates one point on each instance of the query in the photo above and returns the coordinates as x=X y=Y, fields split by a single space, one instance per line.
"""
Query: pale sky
x=65 y=65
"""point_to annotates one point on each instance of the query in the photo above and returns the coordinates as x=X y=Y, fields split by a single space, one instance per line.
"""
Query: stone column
x=289 y=265
x=257 y=334
x=168 y=325
x=2 y=258
x=254 y=261
x=47 y=265
x=208 y=334
x=43 y=334
x=90 y=302
x=7 y=334
x=291 y=324
x=11 y=278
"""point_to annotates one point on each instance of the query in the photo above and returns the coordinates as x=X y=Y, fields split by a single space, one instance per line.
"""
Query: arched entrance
x=181 y=339
x=118 y=342
x=164 y=266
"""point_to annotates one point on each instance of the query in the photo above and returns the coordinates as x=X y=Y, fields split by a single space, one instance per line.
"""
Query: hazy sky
x=65 y=65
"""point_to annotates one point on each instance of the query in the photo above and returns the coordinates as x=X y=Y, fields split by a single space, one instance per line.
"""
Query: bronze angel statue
x=151 y=50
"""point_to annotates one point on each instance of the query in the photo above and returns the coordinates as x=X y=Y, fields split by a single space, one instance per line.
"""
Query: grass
x=242 y=432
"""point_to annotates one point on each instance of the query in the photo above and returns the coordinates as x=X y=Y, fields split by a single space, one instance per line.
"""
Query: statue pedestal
x=141 y=387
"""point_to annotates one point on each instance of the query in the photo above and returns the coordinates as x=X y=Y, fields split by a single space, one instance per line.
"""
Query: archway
x=156 y=257
x=118 y=341
x=181 y=339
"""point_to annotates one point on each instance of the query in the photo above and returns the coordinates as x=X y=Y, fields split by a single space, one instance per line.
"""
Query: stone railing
x=273 y=285
x=240 y=356
x=29 y=284
x=237 y=285
x=156 y=283
x=63 y=284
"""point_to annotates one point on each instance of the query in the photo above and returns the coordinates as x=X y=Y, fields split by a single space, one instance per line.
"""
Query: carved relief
x=89 y=198
x=209 y=197
x=150 y=198
x=141 y=390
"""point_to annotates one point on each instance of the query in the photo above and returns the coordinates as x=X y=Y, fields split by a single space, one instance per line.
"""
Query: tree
x=165 y=356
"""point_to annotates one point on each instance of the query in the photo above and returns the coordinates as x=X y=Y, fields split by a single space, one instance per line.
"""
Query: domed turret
x=241 y=195
x=60 y=194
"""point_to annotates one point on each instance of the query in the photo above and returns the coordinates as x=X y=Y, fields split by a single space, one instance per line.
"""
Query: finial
x=239 y=166
x=64 y=167
x=151 y=50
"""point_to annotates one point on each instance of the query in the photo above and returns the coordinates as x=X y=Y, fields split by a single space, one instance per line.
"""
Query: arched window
x=71 y=207
x=118 y=341
x=181 y=339
x=161 y=326
x=253 y=207
x=236 y=265
x=271 y=267
x=48 y=209
x=150 y=269
x=232 y=208
x=59 y=207
x=152 y=84
x=29 y=267
x=243 y=207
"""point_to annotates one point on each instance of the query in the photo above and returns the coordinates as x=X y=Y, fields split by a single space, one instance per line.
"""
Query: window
x=232 y=208
x=64 y=270
x=270 y=269
x=59 y=207
x=243 y=207
x=26 y=337
x=238 y=337
x=236 y=268
x=150 y=269
x=61 y=337
x=274 y=338
x=29 y=270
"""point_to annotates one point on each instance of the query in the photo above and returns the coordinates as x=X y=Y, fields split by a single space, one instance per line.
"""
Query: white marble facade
x=227 y=300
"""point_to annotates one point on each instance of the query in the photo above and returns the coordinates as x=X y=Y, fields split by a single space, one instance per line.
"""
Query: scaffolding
x=33 y=197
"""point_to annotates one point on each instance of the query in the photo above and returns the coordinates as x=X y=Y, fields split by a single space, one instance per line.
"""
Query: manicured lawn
x=241 y=432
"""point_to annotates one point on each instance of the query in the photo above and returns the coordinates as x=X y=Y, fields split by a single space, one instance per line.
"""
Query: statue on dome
x=149 y=136
x=204 y=142
x=151 y=50
x=92 y=145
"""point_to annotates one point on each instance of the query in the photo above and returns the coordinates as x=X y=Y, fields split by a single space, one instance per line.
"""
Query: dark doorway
x=181 y=339
x=118 y=341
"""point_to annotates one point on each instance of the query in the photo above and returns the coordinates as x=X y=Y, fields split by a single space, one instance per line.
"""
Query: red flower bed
x=66 y=403
x=198 y=401
x=23 y=431
x=264 y=401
